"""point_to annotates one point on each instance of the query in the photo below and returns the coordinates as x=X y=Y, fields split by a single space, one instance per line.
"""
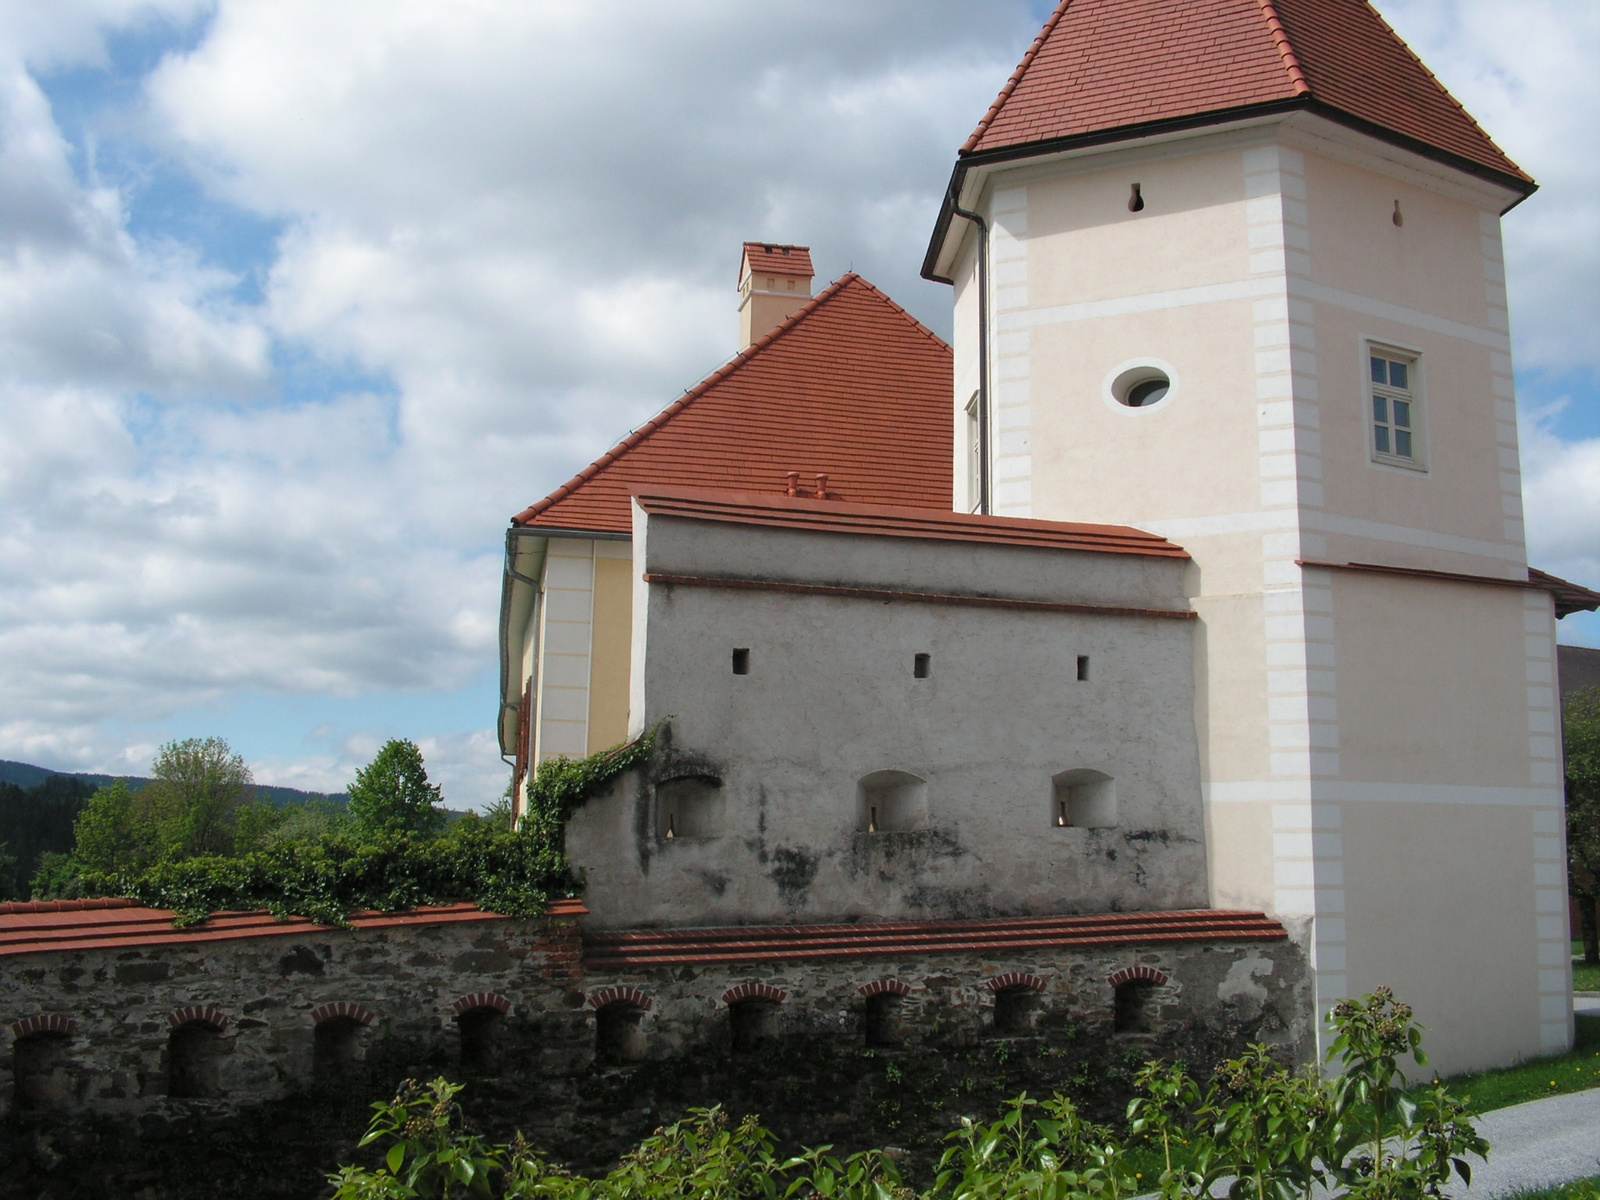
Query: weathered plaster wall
x=831 y=698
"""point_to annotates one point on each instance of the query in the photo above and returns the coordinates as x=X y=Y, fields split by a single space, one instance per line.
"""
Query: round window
x=1143 y=383
x=1147 y=391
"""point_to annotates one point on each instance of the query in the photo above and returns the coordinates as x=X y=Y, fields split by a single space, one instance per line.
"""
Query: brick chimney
x=774 y=280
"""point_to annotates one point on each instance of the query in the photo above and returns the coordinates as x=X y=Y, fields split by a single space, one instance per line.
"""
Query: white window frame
x=1388 y=393
x=974 y=456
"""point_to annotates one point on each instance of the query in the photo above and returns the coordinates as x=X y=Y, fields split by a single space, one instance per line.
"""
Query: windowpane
x=1380 y=409
x=1381 y=434
x=1379 y=375
x=1397 y=375
x=1402 y=414
x=1402 y=443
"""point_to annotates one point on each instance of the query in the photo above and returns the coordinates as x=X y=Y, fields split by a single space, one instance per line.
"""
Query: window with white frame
x=1396 y=407
x=974 y=456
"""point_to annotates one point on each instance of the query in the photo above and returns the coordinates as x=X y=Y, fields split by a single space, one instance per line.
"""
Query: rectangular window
x=974 y=457
x=1396 y=408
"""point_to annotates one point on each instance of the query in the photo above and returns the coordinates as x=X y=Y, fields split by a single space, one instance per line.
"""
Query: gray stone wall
x=172 y=1030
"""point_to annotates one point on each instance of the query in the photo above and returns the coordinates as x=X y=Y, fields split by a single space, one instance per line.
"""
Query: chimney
x=774 y=280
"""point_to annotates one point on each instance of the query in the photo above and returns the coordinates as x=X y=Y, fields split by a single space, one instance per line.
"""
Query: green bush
x=336 y=872
x=1268 y=1132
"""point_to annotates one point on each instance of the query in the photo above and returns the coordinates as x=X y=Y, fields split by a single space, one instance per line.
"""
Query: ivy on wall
x=516 y=873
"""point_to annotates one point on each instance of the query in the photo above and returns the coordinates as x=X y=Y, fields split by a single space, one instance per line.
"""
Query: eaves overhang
x=960 y=194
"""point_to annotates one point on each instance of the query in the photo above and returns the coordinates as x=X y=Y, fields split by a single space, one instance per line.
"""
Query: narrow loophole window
x=1397 y=218
x=1135 y=200
x=741 y=662
x=922 y=666
x=1083 y=668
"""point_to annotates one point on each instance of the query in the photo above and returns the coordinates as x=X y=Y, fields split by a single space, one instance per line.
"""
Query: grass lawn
x=1585 y=976
x=1583 y=1189
x=1574 y=1071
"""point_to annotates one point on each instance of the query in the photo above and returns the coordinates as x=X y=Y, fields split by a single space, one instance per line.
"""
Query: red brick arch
x=44 y=1023
x=343 y=1008
x=1140 y=974
x=754 y=991
x=1016 y=979
x=879 y=987
x=475 y=1000
x=601 y=997
x=199 y=1014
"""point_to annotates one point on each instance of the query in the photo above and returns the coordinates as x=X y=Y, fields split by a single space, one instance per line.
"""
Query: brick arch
x=1140 y=974
x=343 y=1008
x=473 y=1000
x=199 y=1014
x=44 y=1023
x=754 y=991
x=880 y=987
x=601 y=997
x=1016 y=979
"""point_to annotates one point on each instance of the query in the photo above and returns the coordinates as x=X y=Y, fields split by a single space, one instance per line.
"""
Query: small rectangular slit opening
x=741 y=662
x=921 y=666
x=1083 y=668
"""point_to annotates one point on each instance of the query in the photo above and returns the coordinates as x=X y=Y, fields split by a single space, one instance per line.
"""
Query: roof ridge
x=734 y=364
x=1286 y=51
x=1016 y=77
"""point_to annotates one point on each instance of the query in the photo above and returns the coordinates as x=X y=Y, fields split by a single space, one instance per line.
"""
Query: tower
x=1230 y=271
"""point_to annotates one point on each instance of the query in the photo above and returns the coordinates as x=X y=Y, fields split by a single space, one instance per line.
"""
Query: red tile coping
x=850 y=385
x=774 y=258
x=609 y=950
x=1107 y=65
x=884 y=520
x=38 y=927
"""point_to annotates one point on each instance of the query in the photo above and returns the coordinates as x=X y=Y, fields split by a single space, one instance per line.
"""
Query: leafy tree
x=8 y=873
x=115 y=834
x=59 y=877
x=1580 y=713
x=392 y=794
x=193 y=799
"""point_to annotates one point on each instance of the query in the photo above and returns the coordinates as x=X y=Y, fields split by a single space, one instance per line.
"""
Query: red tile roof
x=777 y=943
x=882 y=520
x=37 y=927
x=770 y=258
x=1104 y=65
x=1569 y=597
x=851 y=386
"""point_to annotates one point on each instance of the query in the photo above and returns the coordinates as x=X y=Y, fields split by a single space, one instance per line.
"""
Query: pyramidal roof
x=1101 y=66
x=850 y=386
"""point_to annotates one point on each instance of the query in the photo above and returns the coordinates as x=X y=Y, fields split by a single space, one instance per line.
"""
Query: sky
x=300 y=301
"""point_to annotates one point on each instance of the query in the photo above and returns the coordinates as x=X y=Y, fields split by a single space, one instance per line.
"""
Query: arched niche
x=1083 y=799
x=891 y=802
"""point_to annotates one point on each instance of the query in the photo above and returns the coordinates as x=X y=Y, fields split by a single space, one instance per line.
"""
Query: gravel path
x=1538 y=1144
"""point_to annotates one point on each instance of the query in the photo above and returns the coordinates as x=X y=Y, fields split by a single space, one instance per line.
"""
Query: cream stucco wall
x=1331 y=705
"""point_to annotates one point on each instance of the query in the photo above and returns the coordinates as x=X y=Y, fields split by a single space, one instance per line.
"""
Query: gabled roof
x=1108 y=65
x=771 y=258
x=850 y=386
x=882 y=520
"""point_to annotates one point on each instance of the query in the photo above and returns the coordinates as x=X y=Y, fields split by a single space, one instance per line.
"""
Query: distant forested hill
x=26 y=775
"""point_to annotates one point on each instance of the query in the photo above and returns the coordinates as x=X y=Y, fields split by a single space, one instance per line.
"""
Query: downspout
x=983 y=348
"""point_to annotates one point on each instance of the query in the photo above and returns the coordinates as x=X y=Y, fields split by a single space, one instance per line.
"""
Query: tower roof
x=850 y=386
x=1101 y=66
